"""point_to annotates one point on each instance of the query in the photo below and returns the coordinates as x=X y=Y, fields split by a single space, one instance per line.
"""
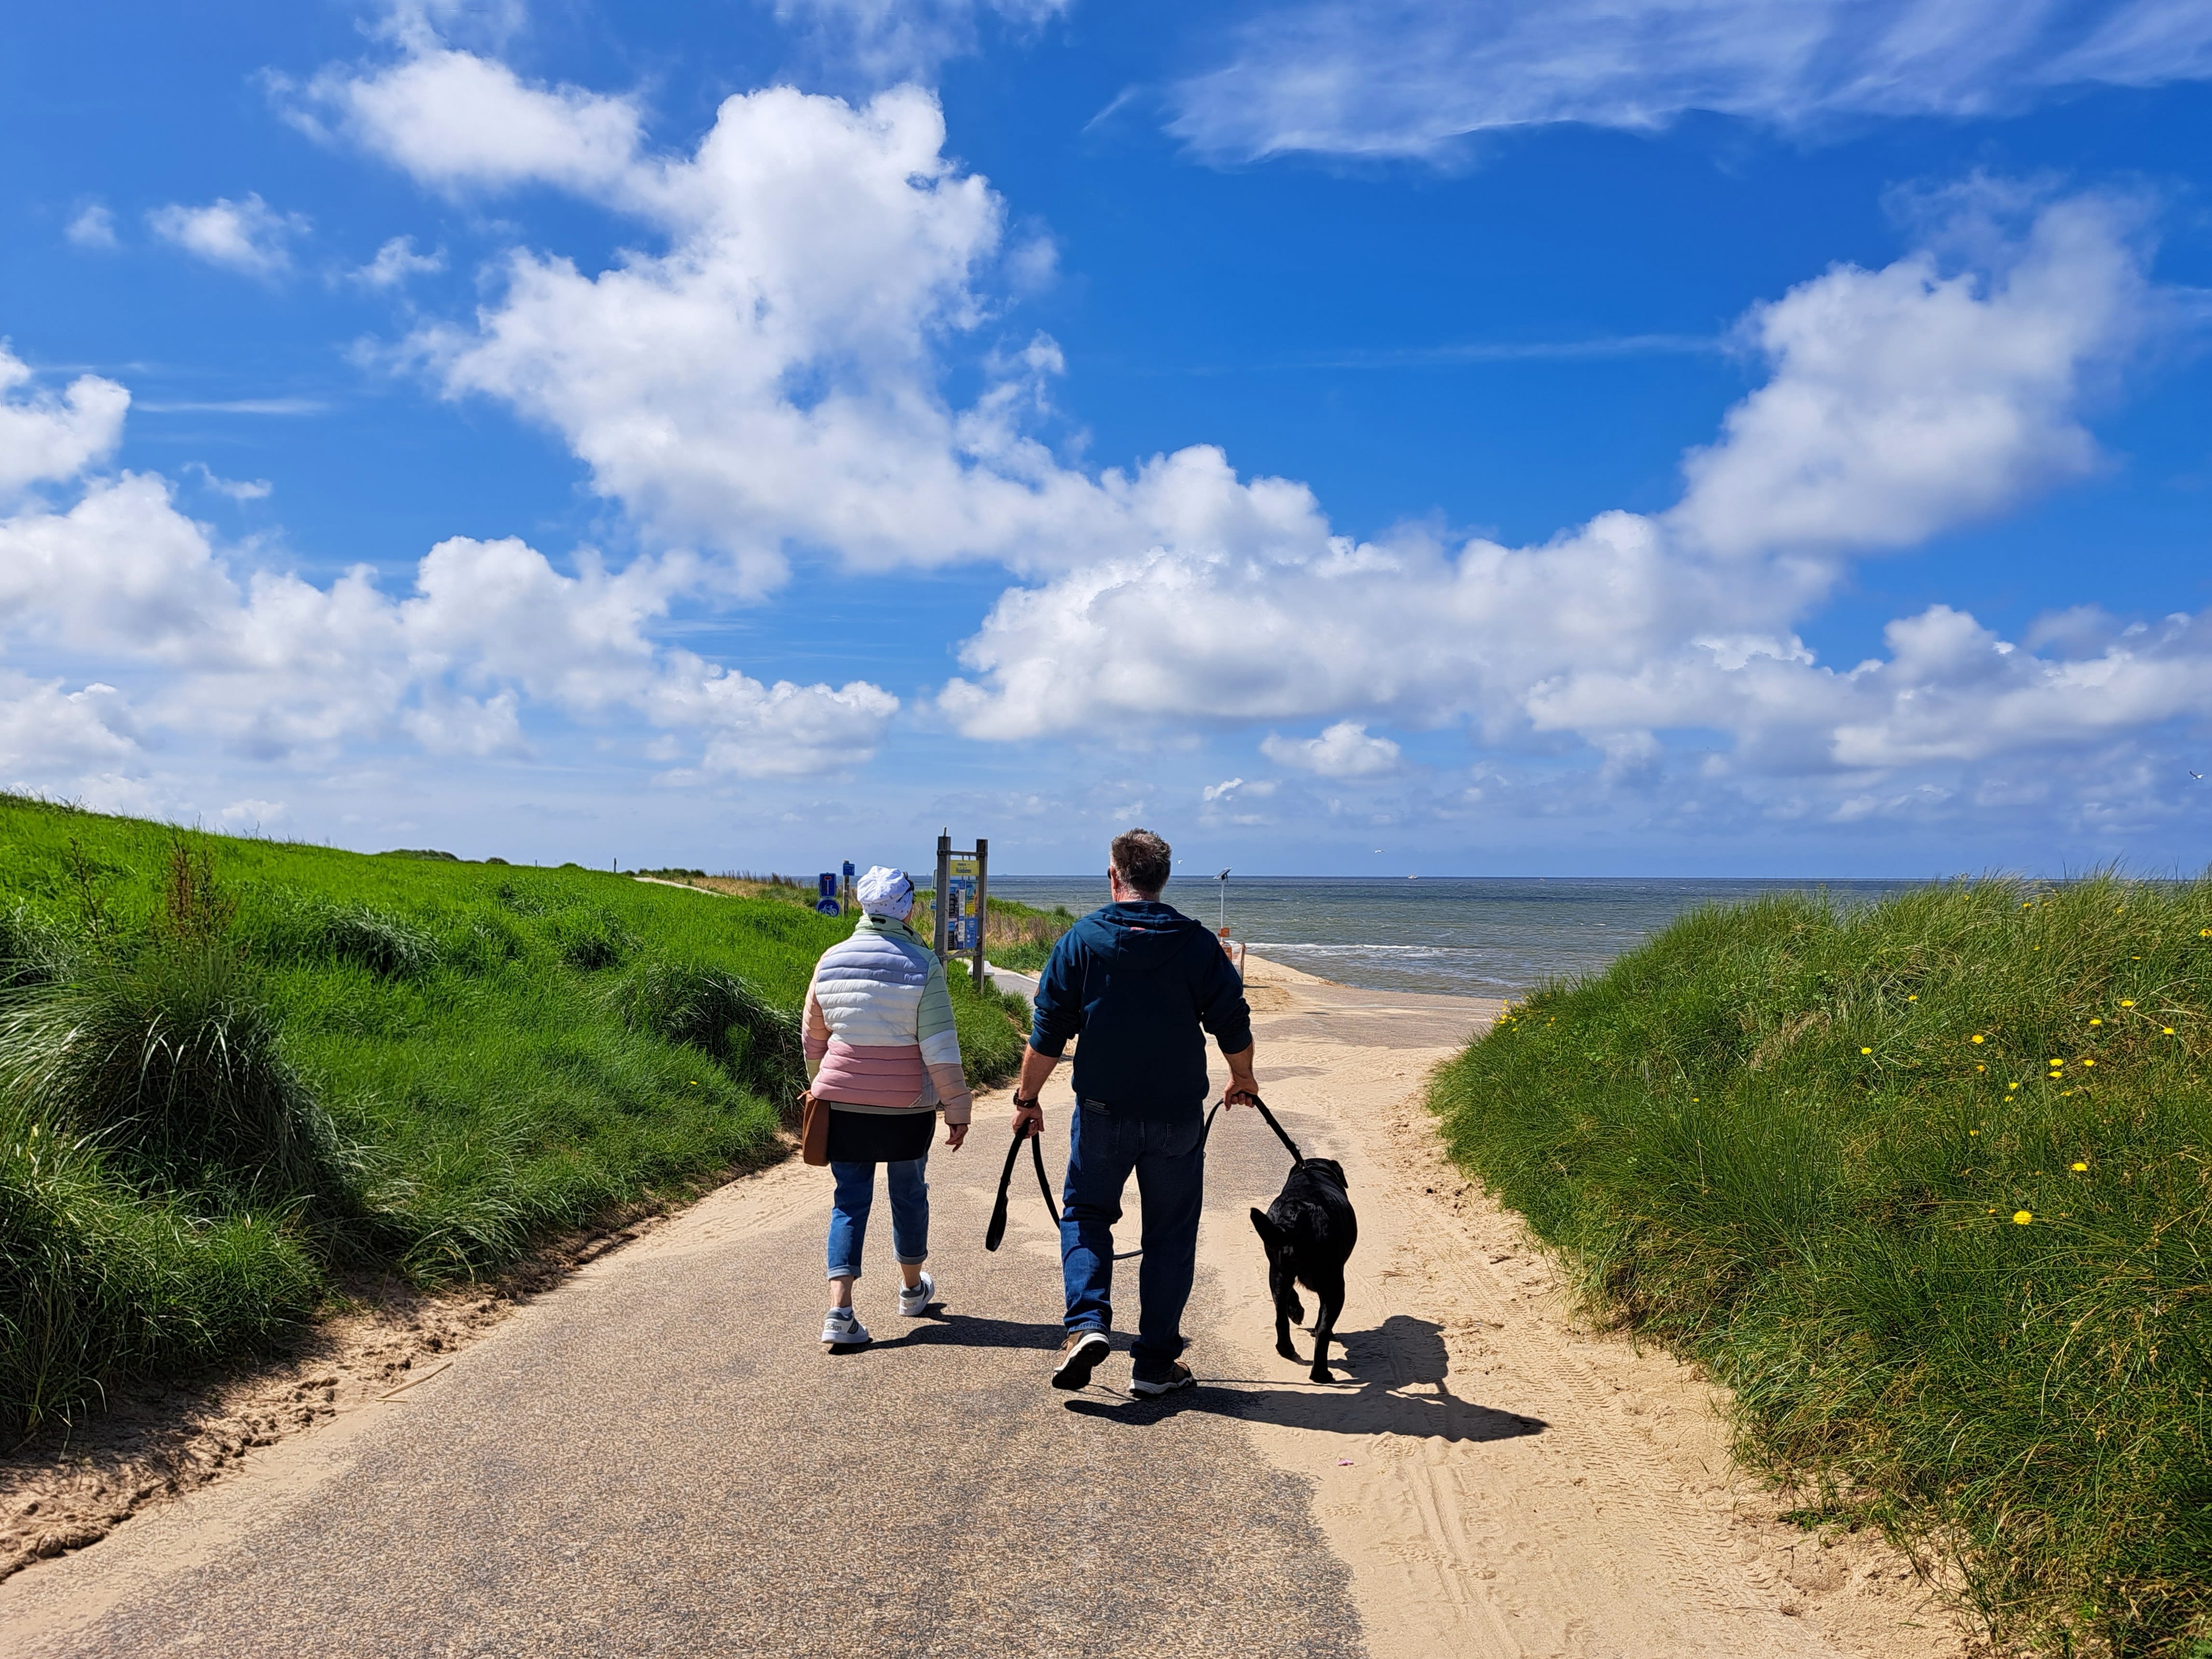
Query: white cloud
x=1909 y=399
x=44 y=437
x=1342 y=751
x=93 y=226
x=761 y=383
x=455 y=120
x=396 y=262
x=239 y=490
x=1901 y=402
x=45 y=731
x=884 y=41
x=1223 y=790
x=1415 y=77
x=248 y=236
x=273 y=665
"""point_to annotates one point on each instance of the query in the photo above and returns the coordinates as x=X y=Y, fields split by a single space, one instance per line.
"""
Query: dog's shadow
x=1398 y=1370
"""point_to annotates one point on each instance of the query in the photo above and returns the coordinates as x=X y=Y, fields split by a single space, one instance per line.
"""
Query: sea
x=1460 y=936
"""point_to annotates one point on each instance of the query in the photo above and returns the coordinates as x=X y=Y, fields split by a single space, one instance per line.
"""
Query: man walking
x=1142 y=984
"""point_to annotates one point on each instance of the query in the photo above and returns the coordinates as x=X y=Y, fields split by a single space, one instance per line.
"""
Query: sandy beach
x=654 y=1455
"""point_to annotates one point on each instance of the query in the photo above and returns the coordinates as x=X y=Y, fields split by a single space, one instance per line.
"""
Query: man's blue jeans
x=1169 y=1157
x=856 y=1196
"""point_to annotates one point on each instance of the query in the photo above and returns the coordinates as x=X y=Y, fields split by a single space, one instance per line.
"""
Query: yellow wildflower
x=2088 y=1062
x=2096 y=1022
x=2127 y=1002
x=1976 y=1037
x=1981 y=1068
x=2079 y=1167
x=1866 y=1051
x=2021 y=1218
x=2168 y=1030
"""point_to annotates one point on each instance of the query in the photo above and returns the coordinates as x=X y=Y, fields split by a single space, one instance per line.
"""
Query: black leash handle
x=996 y=1233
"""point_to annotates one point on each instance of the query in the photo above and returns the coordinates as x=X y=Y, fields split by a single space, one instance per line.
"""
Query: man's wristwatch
x=1021 y=1105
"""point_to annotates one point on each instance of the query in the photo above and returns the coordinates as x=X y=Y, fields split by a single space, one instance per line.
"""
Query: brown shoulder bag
x=813 y=1128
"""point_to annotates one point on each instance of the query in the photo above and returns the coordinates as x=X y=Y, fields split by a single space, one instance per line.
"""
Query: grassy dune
x=227 y=1067
x=1927 y=1185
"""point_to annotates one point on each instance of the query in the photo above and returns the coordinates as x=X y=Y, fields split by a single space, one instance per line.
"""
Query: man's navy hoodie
x=1141 y=983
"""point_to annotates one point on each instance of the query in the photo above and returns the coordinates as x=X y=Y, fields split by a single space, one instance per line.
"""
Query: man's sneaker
x=840 y=1328
x=1178 y=1376
x=1078 y=1357
x=915 y=1303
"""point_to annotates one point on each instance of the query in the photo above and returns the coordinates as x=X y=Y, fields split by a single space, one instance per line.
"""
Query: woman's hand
x=954 y=1134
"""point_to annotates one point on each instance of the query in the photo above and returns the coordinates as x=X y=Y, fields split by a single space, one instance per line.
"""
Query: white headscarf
x=885 y=892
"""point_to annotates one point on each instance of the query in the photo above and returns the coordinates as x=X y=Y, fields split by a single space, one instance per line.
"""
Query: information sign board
x=961 y=921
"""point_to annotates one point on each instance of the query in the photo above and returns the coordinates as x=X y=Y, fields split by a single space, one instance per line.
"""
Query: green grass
x=1770 y=1139
x=228 y=1068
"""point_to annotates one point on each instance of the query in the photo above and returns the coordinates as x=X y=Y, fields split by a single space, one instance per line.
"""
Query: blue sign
x=828 y=907
x=963 y=925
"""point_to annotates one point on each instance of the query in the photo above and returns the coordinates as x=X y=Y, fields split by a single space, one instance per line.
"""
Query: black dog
x=1309 y=1230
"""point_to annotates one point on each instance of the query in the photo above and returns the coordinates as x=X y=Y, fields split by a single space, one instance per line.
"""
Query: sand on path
x=657 y=1457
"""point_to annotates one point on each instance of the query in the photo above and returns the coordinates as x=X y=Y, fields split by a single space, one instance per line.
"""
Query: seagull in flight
x=2199 y=776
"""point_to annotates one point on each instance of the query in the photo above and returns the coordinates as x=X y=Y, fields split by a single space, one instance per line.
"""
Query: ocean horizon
x=1457 y=935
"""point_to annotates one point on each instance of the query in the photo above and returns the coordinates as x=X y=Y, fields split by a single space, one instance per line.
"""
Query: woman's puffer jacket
x=879 y=1025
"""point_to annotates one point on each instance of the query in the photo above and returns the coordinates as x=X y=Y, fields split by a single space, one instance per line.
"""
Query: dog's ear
x=1270 y=1234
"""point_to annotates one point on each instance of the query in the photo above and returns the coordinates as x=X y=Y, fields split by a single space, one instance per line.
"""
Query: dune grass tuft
x=1927 y=1185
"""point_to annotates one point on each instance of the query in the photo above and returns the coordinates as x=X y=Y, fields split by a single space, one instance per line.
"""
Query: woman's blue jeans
x=1167 y=1157
x=856 y=1194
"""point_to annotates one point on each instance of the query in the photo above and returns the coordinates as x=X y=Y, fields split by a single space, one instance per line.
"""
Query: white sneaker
x=915 y=1303
x=842 y=1328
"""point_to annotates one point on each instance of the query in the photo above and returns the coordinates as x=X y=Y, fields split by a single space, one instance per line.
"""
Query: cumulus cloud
x=1906 y=400
x=273 y=665
x=456 y=120
x=762 y=382
x=247 y=236
x=46 y=437
x=1415 y=77
x=1342 y=751
x=1901 y=402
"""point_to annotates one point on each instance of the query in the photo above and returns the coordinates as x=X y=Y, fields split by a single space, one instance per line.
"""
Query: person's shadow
x=938 y=1327
x=1397 y=1370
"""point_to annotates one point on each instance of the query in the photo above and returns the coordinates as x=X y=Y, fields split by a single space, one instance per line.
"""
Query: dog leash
x=995 y=1234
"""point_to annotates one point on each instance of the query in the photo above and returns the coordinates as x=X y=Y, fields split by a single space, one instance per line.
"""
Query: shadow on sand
x=1401 y=1354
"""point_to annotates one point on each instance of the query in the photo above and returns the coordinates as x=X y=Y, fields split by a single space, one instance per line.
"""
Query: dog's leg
x=1331 y=1298
x=1288 y=1308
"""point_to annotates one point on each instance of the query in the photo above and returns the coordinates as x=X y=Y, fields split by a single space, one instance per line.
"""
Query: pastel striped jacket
x=879 y=1025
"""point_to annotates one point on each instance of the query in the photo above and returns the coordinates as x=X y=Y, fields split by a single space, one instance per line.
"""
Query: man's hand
x=1243 y=1087
x=954 y=1134
x=1028 y=1120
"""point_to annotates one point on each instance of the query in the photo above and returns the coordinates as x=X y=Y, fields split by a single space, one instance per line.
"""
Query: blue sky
x=1637 y=438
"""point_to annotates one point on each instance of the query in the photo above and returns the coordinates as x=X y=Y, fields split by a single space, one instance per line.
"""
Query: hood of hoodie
x=1144 y=936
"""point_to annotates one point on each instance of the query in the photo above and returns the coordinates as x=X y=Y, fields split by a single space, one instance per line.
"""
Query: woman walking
x=881 y=1050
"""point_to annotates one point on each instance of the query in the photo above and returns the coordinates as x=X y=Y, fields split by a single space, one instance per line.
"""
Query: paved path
x=657 y=1458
